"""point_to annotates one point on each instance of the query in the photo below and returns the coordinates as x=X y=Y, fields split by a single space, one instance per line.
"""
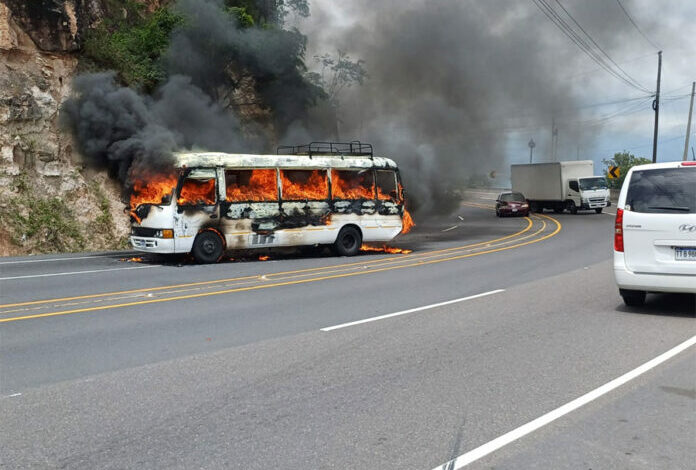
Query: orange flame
x=264 y=258
x=407 y=222
x=385 y=249
x=304 y=184
x=382 y=195
x=261 y=186
x=152 y=189
x=135 y=259
x=352 y=184
x=197 y=192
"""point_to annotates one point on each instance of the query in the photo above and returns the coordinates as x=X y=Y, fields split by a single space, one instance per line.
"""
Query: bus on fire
x=336 y=194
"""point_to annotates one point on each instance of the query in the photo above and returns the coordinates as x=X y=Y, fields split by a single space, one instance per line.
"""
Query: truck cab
x=587 y=193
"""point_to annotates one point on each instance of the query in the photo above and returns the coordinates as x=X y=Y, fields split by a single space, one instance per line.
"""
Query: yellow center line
x=339 y=268
x=287 y=283
x=220 y=281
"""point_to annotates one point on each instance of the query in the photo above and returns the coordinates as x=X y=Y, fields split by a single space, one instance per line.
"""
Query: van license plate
x=684 y=254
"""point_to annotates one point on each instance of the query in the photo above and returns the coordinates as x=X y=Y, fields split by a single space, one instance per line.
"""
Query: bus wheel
x=348 y=241
x=207 y=248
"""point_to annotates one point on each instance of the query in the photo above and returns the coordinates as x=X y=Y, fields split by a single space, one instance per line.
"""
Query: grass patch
x=47 y=224
x=103 y=224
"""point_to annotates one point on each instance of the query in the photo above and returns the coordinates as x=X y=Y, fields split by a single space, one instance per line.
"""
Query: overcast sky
x=503 y=69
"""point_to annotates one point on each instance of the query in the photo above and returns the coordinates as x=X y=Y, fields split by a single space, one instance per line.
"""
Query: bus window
x=198 y=188
x=304 y=184
x=251 y=185
x=352 y=184
x=386 y=185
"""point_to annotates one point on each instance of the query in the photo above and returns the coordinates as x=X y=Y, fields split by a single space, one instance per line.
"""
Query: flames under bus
x=218 y=202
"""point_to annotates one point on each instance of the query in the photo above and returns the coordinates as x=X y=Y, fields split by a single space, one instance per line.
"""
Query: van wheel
x=208 y=247
x=348 y=241
x=633 y=298
x=599 y=210
x=572 y=208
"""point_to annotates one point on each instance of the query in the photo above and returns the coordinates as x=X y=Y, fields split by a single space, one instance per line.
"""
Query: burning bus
x=323 y=193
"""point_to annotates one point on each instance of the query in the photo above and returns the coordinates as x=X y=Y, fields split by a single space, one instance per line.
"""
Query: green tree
x=131 y=43
x=624 y=160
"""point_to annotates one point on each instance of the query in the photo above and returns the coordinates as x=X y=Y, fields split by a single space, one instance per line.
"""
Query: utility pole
x=554 y=139
x=656 y=105
x=688 y=124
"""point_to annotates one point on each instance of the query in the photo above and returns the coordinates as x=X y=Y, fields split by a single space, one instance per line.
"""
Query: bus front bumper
x=152 y=244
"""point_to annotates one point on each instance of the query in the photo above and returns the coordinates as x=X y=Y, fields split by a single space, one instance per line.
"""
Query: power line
x=636 y=26
x=623 y=62
x=583 y=45
x=598 y=47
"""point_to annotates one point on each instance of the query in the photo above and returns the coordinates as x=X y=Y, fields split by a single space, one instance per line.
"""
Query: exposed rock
x=55 y=25
x=37 y=63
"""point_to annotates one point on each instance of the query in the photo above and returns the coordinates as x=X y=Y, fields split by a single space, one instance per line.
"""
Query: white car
x=655 y=231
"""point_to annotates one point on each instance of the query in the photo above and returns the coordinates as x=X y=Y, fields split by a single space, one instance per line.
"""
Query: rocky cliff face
x=49 y=200
x=38 y=44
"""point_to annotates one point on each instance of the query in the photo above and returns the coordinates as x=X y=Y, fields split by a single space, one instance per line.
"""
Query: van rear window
x=663 y=191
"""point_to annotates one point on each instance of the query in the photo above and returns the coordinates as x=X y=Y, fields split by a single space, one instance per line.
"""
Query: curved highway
x=119 y=360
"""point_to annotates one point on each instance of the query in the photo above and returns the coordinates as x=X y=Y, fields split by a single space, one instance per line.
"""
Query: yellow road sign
x=613 y=172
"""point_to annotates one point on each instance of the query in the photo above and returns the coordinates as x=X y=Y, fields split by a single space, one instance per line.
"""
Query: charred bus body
x=319 y=194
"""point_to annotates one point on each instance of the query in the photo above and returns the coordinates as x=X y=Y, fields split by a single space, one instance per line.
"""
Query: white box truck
x=561 y=185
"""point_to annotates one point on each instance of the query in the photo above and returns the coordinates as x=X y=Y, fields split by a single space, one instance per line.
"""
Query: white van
x=319 y=194
x=655 y=231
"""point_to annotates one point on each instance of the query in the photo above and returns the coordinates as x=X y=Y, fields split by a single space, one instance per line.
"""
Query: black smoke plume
x=126 y=131
x=455 y=88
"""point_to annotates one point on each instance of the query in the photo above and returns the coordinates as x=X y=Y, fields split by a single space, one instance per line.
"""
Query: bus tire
x=208 y=247
x=348 y=241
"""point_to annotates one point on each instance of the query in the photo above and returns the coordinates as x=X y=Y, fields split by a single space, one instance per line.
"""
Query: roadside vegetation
x=36 y=223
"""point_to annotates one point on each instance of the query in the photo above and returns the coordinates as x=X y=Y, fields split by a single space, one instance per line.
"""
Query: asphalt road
x=111 y=363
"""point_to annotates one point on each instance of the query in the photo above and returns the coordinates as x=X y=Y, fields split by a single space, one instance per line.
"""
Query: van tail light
x=618 y=231
x=688 y=163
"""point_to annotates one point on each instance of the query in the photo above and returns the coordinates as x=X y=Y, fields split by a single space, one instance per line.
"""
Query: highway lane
x=39 y=351
x=410 y=392
x=247 y=379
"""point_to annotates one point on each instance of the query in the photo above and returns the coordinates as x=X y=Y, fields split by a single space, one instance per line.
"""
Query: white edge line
x=79 y=272
x=47 y=260
x=411 y=310
x=485 y=449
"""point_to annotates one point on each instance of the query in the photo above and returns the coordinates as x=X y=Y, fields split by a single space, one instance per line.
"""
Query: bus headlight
x=165 y=233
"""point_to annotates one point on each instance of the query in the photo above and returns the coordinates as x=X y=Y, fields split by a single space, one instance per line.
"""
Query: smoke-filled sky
x=462 y=85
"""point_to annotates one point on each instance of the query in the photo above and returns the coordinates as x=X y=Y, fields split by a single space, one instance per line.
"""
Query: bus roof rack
x=338 y=149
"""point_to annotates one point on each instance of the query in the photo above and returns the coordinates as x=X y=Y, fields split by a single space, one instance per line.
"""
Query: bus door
x=388 y=198
x=198 y=202
x=251 y=208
